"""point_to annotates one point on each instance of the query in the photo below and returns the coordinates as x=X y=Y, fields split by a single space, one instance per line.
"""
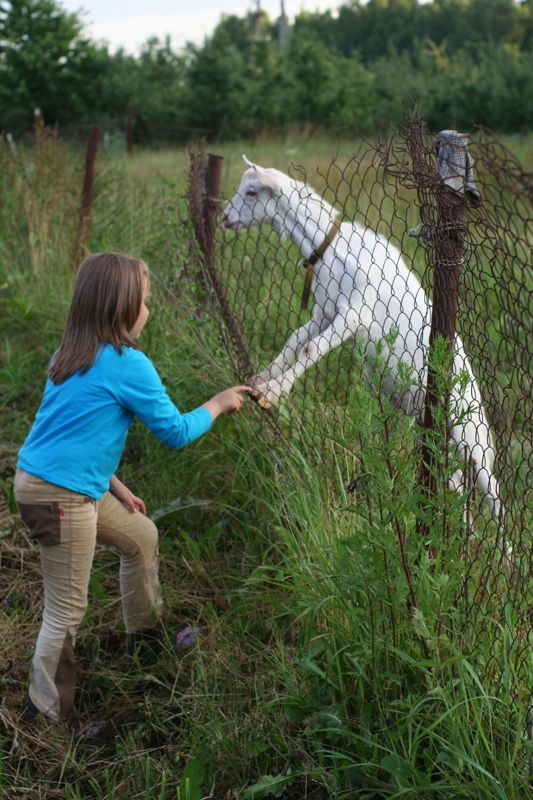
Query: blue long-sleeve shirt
x=81 y=427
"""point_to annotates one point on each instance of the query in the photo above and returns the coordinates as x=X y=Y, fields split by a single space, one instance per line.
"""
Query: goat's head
x=256 y=198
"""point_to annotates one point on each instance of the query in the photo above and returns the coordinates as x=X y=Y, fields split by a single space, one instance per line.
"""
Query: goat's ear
x=268 y=178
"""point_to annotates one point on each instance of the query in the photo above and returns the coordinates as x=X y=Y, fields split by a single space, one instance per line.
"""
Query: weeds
x=340 y=657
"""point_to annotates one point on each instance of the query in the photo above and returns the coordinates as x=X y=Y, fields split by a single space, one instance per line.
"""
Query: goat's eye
x=251 y=193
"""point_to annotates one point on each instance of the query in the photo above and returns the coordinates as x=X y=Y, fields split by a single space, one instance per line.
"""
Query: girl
x=65 y=486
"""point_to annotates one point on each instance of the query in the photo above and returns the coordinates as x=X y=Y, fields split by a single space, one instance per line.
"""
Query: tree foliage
x=43 y=61
x=466 y=61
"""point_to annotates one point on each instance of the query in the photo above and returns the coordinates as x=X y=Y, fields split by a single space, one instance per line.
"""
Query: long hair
x=106 y=302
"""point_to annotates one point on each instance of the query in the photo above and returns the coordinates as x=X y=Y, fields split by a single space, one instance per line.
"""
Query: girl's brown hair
x=107 y=300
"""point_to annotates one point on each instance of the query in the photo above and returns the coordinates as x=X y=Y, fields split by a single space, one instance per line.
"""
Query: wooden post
x=38 y=122
x=129 y=133
x=212 y=188
x=84 y=228
x=456 y=188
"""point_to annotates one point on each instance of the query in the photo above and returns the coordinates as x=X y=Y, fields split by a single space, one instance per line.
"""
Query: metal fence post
x=456 y=188
x=84 y=227
x=204 y=207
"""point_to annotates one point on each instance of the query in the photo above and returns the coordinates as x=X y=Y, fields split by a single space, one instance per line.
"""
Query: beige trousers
x=67 y=526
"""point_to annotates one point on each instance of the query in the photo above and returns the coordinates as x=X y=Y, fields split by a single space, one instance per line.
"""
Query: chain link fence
x=407 y=235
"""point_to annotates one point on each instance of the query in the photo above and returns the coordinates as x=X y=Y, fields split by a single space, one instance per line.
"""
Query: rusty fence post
x=84 y=228
x=456 y=188
x=205 y=216
x=211 y=201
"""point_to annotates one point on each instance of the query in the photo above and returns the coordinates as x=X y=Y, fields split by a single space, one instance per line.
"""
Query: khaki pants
x=67 y=526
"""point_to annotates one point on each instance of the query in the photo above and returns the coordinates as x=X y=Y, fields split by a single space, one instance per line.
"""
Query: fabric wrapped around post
x=456 y=164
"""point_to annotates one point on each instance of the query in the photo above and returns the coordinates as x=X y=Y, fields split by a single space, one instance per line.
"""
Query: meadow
x=324 y=668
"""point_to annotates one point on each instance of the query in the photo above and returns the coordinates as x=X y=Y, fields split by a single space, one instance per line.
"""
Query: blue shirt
x=81 y=427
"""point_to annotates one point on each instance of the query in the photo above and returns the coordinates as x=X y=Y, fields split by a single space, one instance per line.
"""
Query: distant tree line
x=466 y=61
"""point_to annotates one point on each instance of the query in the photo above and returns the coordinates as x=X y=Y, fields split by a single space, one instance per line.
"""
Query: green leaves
x=43 y=62
x=471 y=60
x=268 y=786
x=192 y=779
x=175 y=506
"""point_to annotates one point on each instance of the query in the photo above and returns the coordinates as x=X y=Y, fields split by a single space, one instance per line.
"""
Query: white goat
x=362 y=289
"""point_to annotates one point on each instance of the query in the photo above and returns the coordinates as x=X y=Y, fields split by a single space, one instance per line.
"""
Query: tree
x=43 y=60
x=215 y=82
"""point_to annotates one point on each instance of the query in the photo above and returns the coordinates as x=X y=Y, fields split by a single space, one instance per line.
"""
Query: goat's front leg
x=341 y=329
x=294 y=343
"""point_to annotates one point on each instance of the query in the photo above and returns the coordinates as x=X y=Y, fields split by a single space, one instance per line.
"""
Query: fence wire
x=377 y=272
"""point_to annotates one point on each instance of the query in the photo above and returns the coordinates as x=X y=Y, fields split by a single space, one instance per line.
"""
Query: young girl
x=65 y=486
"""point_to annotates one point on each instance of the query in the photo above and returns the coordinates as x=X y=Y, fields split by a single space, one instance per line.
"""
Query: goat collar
x=315 y=256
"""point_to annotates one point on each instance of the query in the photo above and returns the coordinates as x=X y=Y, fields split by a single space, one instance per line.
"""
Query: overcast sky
x=129 y=23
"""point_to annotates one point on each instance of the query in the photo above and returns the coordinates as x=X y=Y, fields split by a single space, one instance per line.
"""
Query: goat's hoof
x=261 y=400
x=264 y=396
x=260 y=392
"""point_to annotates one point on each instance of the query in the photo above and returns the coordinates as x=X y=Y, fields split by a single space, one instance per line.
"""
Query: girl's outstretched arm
x=123 y=494
x=227 y=402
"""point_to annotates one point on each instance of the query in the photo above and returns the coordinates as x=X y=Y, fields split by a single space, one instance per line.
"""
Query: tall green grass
x=338 y=659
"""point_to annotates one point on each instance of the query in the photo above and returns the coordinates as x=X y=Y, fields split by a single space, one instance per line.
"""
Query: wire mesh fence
x=125 y=133
x=297 y=294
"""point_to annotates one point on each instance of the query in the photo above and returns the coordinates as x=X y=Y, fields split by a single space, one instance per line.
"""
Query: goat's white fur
x=362 y=288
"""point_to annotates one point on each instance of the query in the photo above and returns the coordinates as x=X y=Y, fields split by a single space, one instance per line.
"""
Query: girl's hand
x=126 y=497
x=229 y=401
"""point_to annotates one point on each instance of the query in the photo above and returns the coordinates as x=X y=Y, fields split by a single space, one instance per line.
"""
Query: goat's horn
x=248 y=163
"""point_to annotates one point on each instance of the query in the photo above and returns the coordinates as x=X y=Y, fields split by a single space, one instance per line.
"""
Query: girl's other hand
x=122 y=493
x=229 y=401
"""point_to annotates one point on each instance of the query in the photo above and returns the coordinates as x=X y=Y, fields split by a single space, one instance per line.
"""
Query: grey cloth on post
x=456 y=164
